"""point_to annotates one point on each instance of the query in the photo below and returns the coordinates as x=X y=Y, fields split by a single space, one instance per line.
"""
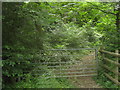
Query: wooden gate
x=67 y=63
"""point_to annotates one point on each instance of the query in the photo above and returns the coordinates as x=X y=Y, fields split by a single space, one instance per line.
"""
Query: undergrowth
x=104 y=81
x=38 y=82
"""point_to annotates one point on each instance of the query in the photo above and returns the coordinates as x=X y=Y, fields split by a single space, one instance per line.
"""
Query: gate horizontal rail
x=60 y=62
x=68 y=65
x=73 y=49
x=69 y=73
x=70 y=76
x=67 y=55
x=71 y=69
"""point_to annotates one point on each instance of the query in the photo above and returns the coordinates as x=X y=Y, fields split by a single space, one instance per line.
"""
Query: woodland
x=30 y=29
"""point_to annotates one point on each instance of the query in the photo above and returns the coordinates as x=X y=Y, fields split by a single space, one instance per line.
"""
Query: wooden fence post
x=117 y=69
x=103 y=55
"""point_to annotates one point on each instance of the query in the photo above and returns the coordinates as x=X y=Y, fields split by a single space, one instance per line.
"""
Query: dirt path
x=85 y=81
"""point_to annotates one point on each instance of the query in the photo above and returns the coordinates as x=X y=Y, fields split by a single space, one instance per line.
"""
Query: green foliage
x=38 y=82
x=31 y=27
x=104 y=82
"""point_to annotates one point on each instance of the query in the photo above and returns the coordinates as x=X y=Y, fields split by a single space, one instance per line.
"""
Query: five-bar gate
x=67 y=63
